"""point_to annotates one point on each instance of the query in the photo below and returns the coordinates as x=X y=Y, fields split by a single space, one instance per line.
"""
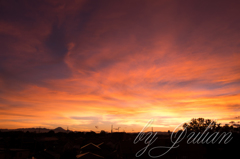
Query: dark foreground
x=72 y=145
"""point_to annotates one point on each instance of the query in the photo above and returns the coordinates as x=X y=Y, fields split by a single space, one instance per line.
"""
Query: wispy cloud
x=81 y=63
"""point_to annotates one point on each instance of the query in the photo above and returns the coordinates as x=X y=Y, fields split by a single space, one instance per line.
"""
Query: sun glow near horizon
x=81 y=64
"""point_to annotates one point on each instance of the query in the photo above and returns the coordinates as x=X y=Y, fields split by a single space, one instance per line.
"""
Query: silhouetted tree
x=103 y=132
x=200 y=124
x=226 y=128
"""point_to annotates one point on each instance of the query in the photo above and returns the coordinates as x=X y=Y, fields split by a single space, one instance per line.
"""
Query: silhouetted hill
x=37 y=130
x=59 y=129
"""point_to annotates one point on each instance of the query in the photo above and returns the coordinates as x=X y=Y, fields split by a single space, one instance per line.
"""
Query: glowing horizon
x=83 y=64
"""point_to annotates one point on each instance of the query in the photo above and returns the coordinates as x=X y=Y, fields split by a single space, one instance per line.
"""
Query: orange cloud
x=79 y=64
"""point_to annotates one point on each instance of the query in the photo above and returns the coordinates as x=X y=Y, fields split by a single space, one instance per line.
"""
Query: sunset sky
x=83 y=63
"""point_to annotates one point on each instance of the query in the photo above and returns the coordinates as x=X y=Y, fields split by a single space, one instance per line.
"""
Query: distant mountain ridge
x=59 y=129
x=37 y=130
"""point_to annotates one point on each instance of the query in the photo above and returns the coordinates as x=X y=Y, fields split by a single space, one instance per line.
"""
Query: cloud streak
x=76 y=63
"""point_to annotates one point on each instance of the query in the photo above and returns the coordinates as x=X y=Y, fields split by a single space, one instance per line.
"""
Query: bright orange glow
x=81 y=65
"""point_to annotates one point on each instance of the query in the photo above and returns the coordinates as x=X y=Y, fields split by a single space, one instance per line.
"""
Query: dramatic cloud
x=84 y=64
